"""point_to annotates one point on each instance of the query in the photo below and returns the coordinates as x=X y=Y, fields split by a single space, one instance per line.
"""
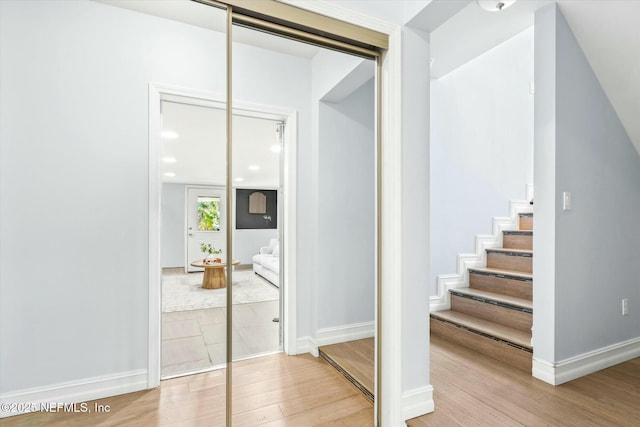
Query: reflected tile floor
x=195 y=340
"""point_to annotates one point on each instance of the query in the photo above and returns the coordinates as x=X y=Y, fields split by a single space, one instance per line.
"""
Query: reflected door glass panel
x=208 y=213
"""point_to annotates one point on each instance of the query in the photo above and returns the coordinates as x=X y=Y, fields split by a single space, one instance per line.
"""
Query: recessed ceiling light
x=254 y=168
x=239 y=179
x=169 y=134
x=276 y=148
x=169 y=159
x=169 y=174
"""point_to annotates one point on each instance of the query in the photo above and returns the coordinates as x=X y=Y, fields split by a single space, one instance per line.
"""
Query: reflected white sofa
x=267 y=262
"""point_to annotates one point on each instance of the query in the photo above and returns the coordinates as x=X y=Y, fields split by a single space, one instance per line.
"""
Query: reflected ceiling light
x=276 y=148
x=169 y=174
x=254 y=167
x=169 y=159
x=495 y=5
x=169 y=134
x=239 y=179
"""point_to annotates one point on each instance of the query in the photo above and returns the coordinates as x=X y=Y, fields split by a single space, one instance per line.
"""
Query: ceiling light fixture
x=169 y=174
x=276 y=148
x=239 y=179
x=254 y=167
x=169 y=159
x=494 y=5
x=169 y=134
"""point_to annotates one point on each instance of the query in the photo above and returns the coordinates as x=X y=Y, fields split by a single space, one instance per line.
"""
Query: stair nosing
x=525 y=253
x=345 y=373
x=518 y=232
x=518 y=275
x=480 y=326
x=512 y=303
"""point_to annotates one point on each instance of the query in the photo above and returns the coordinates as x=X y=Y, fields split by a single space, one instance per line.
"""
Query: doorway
x=194 y=218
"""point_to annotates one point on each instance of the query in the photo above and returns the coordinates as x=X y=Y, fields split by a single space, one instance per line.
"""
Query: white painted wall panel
x=173 y=225
x=415 y=211
x=544 y=219
x=597 y=248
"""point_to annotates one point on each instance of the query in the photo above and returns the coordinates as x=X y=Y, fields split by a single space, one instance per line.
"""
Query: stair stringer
x=445 y=282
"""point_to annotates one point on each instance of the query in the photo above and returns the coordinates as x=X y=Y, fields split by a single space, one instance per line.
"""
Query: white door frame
x=157 y=92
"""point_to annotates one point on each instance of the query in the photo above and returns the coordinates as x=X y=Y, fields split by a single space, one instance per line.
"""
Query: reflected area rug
x=182 y=292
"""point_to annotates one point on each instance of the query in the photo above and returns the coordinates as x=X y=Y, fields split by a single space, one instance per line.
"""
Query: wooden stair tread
x=527 y=232
x=493 y=296
x=353 y=359
x=507 y=273
x=504 y=333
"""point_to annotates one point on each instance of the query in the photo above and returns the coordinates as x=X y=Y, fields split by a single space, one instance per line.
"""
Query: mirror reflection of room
x=194 y=226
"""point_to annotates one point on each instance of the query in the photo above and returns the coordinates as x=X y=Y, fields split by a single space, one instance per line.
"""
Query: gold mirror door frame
x=299 y=24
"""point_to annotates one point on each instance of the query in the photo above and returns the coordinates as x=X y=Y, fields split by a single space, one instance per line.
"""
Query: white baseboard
x=355 y=331
x=460 y=279
x=585 y=364
x=72 y=392
x=335 y=335
x=307 y=345
x=417 y=402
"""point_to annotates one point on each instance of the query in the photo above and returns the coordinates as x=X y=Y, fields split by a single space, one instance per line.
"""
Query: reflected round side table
x=214 y=277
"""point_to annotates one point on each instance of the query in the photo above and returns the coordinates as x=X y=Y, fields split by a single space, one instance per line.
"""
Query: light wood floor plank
x=527 y=400
x=470 y=390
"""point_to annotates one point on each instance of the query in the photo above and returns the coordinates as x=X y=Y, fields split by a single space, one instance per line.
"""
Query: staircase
x=493 y=316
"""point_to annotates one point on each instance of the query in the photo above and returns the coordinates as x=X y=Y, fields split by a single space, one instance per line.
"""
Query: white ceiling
x=200 y=149
x=473 y=31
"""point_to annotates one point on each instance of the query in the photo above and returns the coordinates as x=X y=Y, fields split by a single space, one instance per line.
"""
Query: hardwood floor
x=276 y=390
x=474 y=390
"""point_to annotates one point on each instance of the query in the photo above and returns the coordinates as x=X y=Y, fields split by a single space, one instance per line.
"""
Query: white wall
x=346 y=210
x=173 y=223
x=74 y=132
x=596 y=242
x=544 y=298
x=415 y=213
x=481 y=147
x=597 y=163
x=247 y=243
x=343 y=138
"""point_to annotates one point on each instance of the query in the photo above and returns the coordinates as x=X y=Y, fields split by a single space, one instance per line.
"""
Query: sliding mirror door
x=328 y=261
